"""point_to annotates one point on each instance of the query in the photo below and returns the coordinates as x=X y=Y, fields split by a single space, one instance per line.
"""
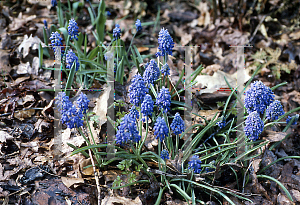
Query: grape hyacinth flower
x=70 y=58
x=127 y=131
x=83 y=103
x=164 y=99
x=138 y=25
x=117 y=32
x=55 y=40
x=108 y=13
x=147 y=106
x=137 y=90
x=165 y=70
x=73 y=29
x=53 y=3
x=253 y=126
x=258 y=97
x=195 y=164
x=70 y=116
x=177 y=125
x=164 y=154
x=165 y=43
x=222 y=123
x=274 y=111
x=45 y=24
x=134 y=113
x=289 y=119
x=151 y=73
x=161 y=129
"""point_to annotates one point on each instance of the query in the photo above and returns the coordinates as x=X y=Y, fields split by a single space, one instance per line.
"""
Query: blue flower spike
x=177 y=125
x=70 y=58
x=289 y=118
x=165 y=70
x=70 y=116
x=138 y=25
x=117 y=32
x=165 y=43
x=83 y=103
x=164 y=154
x=45 y=24
x=151 y=73
x=127 y=131
x=137 y=90
x=147 y=106
x=73 y=29
x=164 y=99
x=56 y=40
x=258 y=97
x=161 y=129
x=253 y=126
x=53 y=3
x=195 y=164
x=134 y=113
x=274 y=111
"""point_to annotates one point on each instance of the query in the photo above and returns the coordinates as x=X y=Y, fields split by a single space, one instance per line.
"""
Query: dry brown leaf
x=142 y=49
x=295 y=194
x=31 y=42
x=295 y=35
x=112 y=200
x=22 y=114
x=255 y=164
x=275 y=136
x=213 y=83
x=111 y=175
x=86 y=171
x=204 y=18
x=69 y=182
x=5 y=136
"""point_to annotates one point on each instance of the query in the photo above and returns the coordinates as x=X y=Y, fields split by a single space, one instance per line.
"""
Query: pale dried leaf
x=5 y=136
x=31 y=42
x=72 y=181
x=22 y=114
x=112 y=200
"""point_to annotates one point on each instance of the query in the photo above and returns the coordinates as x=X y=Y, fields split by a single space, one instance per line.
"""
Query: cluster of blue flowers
x=134 y=113
x=195 y=164
x=53 y=3
x=127 y=131
x=164 y=99
x=274 y=110
x=73 y=29
x=222 y=123
x=70 y=115
x=45 y=24
x=165 y=70
x=138 y=25
x=147 y=106
x=70 y=59
x=151 y=73
x=164 y=154
x=177 y=125
x=253 y=126
x=289 y=118
x=137 y=90
x=258 y=97
x=161 y=129
x=116 y=32
x=55 y=40
x=165 y=43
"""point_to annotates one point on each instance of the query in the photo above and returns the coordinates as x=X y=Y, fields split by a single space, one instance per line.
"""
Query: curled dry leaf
x=69 y=182
x=31 y=42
